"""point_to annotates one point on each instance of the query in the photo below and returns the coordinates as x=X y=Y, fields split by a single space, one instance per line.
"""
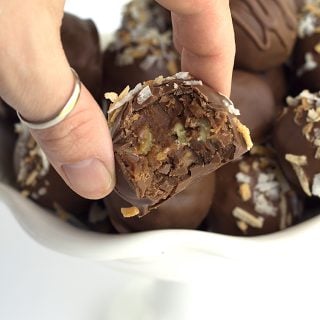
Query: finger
x=204 y=35
x=36 y=80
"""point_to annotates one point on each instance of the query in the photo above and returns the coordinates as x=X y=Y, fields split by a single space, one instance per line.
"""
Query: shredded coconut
x=144 y=95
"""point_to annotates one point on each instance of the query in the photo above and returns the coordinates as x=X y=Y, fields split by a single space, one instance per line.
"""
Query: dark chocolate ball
x=167 y=133
x=38 y=180
x=185 y=210
x=252 y=197
x=254 y=98
x=296 y=138
x=265 y=32
x=81 y=44
x=306 y=56
x=277 y=80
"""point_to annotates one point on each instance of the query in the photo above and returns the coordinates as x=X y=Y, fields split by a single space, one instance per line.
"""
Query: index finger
x=203 y=34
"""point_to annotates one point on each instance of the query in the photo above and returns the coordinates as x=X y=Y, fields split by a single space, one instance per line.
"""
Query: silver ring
x=68 y=107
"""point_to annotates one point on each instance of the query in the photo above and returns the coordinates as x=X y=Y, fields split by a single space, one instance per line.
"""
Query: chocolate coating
x=37 y=179
x=306 y=56
x=265 y=32
x=252 y=197
x=185 y=210
x=168 y=133
x=296 y=138
x=277 y=81
x=7 y=142
x=81 y=44
x=254 y=98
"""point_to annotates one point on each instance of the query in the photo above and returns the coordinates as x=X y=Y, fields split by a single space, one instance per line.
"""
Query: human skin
x=36 y=80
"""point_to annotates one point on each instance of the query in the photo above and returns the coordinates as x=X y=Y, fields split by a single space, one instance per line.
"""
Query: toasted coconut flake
x=297 y=160
x=244 y=131
x=124 y=97
x=193 y=82
x=248 y=218
x=313 y=115
x=243 y=178
x=144 y=95
x=182 y=75
x=130 y=212
x=307 y=129
x=242 y=226
x=316 y=185
x=112 y=96
x=317 y=154
x=303 y=179
x=245 y=192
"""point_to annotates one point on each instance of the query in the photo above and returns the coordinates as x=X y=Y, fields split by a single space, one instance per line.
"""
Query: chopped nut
x=248 y=218
x=245 y=191
x=145 y=141
x=204 y=131
x=297 y=160
x=130 y=212
x=180 y=131
x=244 y=131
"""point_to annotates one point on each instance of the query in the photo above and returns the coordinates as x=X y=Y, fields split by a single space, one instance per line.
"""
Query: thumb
x=36 y=80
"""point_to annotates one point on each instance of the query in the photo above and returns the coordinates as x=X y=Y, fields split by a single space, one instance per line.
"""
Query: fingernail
x=90 y=178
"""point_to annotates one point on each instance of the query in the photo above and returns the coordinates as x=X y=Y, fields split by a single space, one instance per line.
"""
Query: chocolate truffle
x=81 y=44
x=306 y=56
x=37 y=179
x=296 y=138
x=168 y=133
x=254 y=98
x=185 y=210
x=252 y=197
x=139 y=52
x=265 y=32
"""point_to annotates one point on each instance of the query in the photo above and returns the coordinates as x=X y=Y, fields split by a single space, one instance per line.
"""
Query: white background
x=37 y=283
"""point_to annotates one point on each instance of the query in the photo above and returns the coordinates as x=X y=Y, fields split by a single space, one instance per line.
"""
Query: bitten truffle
x=252 y=197
x=306 y=56
x=185 y=210
x=37 y=179
x=265 y=32
x=296 y=138
x=169 y=132
x=254 y=98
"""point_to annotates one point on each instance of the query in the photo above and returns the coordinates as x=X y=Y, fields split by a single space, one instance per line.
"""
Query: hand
x=35 y=78
x=203 y=34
